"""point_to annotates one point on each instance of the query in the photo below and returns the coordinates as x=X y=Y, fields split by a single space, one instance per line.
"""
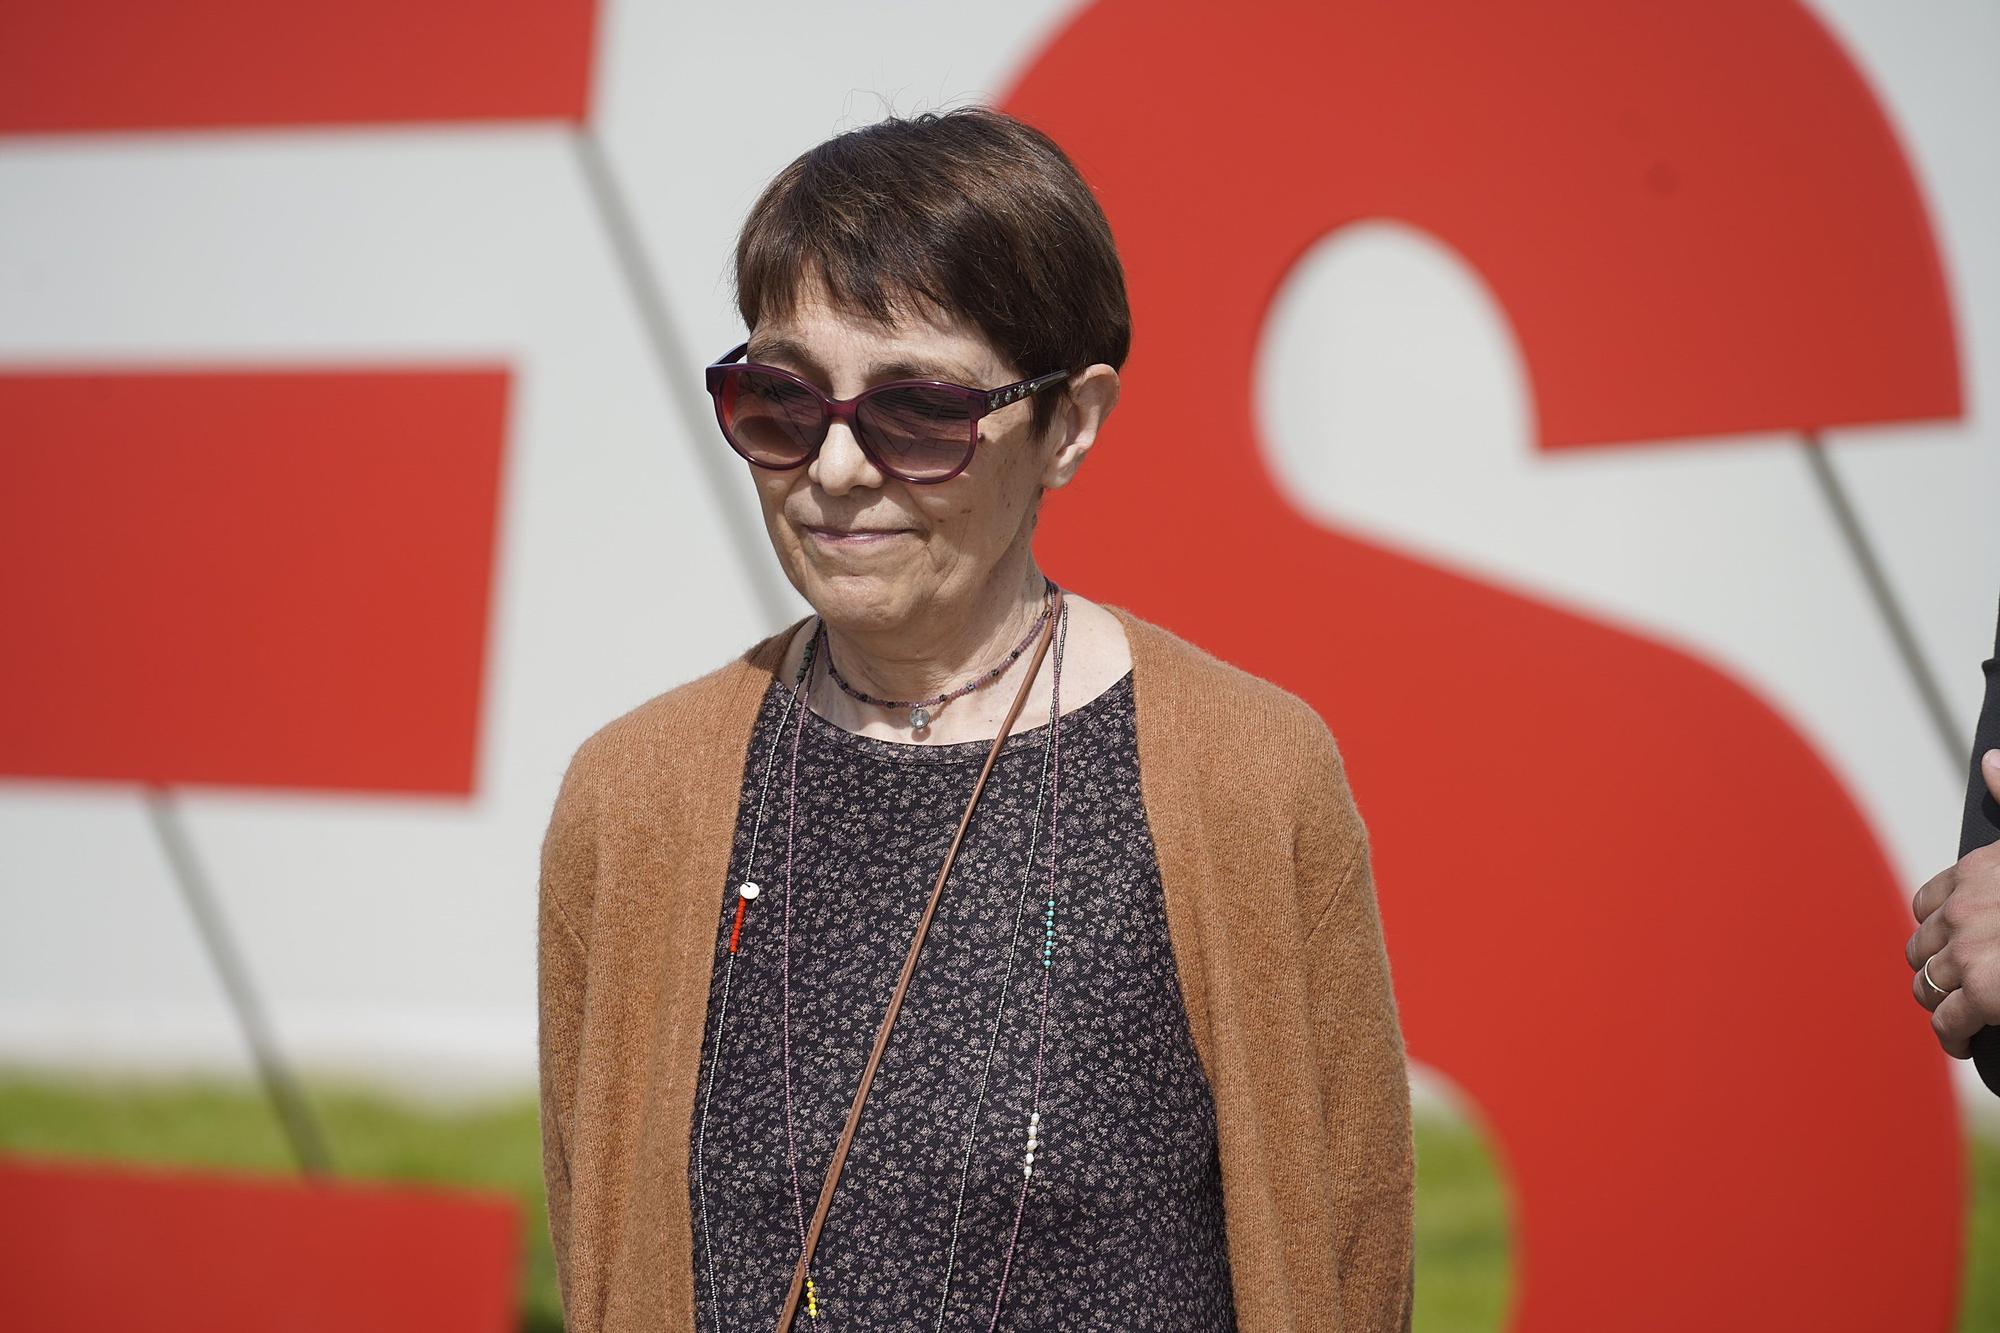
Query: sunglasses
x=920 y=431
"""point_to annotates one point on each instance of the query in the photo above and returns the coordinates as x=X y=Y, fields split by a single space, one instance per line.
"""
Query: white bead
x=920 y=717
x=750 y=888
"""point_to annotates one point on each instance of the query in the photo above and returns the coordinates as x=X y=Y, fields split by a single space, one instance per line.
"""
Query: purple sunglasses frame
x=981 y=402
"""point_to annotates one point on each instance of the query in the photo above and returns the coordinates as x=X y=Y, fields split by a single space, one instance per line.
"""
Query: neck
x=943 y=648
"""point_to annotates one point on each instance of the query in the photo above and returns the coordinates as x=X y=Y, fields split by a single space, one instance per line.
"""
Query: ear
x=1092 y=393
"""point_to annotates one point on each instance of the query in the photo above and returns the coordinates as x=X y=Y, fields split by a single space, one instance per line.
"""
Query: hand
x=1959 y=937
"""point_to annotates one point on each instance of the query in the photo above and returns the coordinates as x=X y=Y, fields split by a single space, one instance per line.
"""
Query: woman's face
x=869 y=551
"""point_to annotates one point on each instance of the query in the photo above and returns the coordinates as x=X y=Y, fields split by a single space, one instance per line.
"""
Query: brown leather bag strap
x=909 y=967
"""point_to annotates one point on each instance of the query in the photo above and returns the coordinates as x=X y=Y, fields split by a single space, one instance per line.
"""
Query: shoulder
x=1201 y=703
x=1233 y=749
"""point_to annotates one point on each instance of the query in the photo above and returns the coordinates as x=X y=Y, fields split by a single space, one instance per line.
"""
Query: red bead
x=741 y=903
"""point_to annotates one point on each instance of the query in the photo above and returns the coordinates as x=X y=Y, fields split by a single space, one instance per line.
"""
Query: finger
x=1932 y=895
x=1930 y=937
x=1955 y=1021
x=1943 y=972
x=1990 y=766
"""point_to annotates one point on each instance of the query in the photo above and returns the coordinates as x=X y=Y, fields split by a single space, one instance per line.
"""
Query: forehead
x=819 y=335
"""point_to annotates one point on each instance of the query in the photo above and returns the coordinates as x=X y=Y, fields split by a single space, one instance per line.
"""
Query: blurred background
x=1584 y=405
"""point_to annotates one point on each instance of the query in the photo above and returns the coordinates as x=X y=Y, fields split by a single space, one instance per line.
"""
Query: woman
x=1146 y=1070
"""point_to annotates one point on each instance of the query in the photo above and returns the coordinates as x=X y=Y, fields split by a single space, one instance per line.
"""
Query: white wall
x=396 y=936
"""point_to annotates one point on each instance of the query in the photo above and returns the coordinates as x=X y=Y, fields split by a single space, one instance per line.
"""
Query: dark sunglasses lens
x=768 y=418
x=922 y=434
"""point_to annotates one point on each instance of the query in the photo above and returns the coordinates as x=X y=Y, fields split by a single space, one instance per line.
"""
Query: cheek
x=981 y=510
x=1015 y=476
x=772 y=488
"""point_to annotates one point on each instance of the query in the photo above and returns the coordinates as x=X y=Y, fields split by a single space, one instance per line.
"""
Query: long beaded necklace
x=746 y=892
x=798 y=701
x=1051 y=779
x=922 y=710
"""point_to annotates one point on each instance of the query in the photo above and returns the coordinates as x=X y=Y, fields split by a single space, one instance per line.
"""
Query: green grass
x=1463 y=1246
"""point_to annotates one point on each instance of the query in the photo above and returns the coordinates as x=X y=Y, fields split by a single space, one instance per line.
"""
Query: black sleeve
x=1982 y=816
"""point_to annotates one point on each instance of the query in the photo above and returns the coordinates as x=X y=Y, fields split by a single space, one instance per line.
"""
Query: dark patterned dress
x=1122 y=1225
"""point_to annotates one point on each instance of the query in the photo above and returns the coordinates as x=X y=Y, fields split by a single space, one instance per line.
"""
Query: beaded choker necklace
x=922 y=710
x=797 y=702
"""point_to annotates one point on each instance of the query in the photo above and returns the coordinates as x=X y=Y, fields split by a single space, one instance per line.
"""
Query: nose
x=840 y=465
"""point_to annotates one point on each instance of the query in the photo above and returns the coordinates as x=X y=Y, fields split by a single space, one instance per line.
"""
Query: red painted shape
x=263 y=578
x=225 y=64
x=1632 y=912
x=85 y=1248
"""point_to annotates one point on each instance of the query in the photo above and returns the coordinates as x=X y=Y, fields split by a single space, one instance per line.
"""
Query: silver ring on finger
x=1926 y=973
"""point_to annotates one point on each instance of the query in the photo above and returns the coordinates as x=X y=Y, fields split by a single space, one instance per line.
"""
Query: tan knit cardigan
x=1271 y=913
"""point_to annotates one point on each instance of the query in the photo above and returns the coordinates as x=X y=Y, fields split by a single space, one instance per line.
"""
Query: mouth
x=854 y=537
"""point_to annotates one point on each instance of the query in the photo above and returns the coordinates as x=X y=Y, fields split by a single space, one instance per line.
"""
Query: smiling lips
x=855 y=536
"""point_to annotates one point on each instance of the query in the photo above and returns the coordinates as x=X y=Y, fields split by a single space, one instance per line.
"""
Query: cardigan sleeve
x=1363 y=1077
x=568 y=867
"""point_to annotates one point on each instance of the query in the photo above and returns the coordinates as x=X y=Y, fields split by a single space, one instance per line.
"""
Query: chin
x=854 y=599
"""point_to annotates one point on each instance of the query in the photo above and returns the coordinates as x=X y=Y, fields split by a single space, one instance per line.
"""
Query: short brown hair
x=971 y=212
